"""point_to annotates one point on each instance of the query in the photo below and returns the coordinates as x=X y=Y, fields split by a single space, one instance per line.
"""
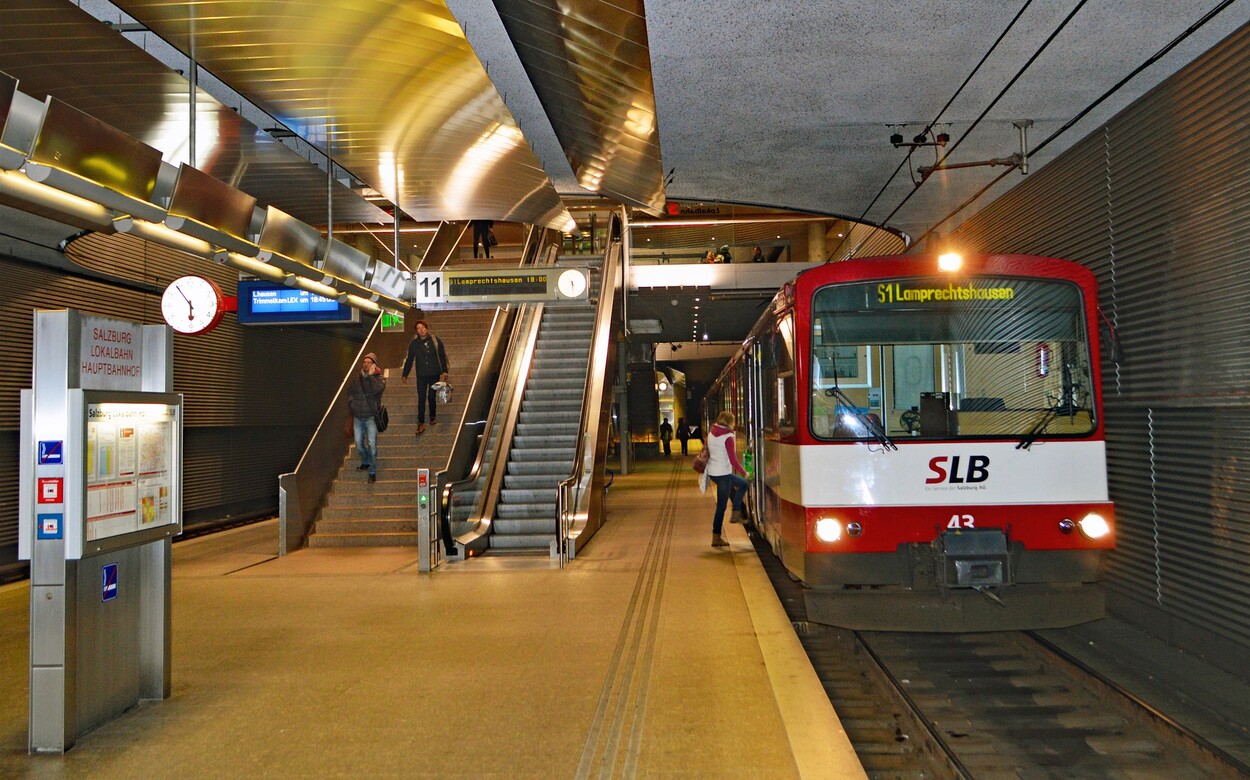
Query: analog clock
x=571 y=283
x=192 y=304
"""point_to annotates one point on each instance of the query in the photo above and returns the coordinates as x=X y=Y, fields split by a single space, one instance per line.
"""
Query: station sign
x=501 y=285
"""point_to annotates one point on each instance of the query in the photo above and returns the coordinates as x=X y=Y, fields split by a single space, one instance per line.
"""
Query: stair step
x=550 y=441
x=544 y=512
x=531 y=454
x=541 y=495
x=522 y=541
x=367 y=526
x=320 y=540
x=531 y=482
x=363 y=511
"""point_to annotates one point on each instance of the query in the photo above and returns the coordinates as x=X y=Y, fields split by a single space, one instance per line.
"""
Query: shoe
x=373 y=477
x=719 y=541
x=362 y=467
x=737 y=517
x=420 y=428
x=433 y=421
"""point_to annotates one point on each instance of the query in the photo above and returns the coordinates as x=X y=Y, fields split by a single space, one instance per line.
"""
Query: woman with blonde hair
x=723 y=469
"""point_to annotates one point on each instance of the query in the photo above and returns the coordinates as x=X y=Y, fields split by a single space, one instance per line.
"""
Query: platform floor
x=651 y=655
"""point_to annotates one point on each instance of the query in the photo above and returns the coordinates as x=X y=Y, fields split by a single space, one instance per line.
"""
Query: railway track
x=988 y=705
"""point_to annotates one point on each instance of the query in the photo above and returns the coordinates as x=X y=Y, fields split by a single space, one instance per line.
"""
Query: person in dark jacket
x=483 y=229
x=683 y=434
x=666 y=437
x=427 y=356
x=364 y=396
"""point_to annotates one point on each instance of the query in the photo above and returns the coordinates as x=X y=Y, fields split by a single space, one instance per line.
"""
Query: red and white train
x=927 y=439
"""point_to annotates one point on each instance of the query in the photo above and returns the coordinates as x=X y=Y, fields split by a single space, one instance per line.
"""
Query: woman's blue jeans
x=366 y=430
x=728 y=486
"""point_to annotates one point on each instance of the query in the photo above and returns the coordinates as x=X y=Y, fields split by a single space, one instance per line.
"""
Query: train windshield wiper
x=874 y=427
x=1038 y=427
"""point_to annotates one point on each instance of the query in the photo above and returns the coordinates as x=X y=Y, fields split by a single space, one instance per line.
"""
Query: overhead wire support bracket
x=1018 y=160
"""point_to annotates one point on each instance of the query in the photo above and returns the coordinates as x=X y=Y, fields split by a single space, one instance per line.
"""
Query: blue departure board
x=269 y=303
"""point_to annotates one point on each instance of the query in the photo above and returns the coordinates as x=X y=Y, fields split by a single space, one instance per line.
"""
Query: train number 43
x=961 y=521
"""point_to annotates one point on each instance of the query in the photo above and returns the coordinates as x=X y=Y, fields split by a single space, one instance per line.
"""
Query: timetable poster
x=129 y=468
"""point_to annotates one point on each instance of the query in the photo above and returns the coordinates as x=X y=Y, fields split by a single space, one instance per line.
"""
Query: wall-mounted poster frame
x=126 y=486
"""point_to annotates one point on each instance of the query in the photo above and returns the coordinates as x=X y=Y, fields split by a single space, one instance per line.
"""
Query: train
x=926 y=441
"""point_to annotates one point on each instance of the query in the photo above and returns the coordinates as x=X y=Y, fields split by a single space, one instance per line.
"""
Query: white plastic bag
x=703 y=480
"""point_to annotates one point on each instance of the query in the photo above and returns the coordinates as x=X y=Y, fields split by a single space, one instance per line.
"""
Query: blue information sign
x=269 y=303
x=108 y=582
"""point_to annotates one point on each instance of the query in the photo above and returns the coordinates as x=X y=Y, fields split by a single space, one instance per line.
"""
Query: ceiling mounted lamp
x=77 y=153
x=20 y=192
x=207 y=208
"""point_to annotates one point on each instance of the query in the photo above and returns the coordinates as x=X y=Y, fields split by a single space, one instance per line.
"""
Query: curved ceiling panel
x=389 y=88
x=53 y=48
x=590 y=64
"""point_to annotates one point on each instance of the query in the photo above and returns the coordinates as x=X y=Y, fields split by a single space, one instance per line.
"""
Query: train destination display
x=270 y=303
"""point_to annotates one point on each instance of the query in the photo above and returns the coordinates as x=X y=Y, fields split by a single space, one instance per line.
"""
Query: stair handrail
x=302 y=492
x=579 y=496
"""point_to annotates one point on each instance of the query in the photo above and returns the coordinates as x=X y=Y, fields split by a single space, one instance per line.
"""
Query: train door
x=756 y=418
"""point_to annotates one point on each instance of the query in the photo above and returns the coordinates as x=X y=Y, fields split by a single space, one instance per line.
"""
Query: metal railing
x=490 y=445
x=579 y=498
x=496 y=387
x=302 y=493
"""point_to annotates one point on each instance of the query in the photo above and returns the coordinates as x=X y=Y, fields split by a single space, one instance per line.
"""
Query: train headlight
x=1066 y=526
x=950 y=261
x=854 y=529
x=828 y=529
x=1094 y=526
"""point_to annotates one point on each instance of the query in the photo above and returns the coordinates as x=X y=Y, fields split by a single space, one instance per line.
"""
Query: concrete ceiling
x=790 y=103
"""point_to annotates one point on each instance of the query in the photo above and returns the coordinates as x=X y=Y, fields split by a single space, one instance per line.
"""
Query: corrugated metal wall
x=253 y=395
x=1157 y=203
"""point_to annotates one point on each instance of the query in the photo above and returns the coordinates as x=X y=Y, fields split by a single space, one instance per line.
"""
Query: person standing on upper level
x=426 y=354
x=483 y=231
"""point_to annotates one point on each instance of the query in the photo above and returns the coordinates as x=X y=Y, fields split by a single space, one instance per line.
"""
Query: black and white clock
x=193 y=305
x=571 y=283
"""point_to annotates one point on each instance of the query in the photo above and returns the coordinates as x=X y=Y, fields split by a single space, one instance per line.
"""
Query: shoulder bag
x=700 y=461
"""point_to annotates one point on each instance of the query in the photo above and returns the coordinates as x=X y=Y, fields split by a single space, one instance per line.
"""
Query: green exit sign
x=392 y=322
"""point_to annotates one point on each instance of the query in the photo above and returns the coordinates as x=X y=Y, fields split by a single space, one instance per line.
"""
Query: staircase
x=546 y=433
x=384 y=514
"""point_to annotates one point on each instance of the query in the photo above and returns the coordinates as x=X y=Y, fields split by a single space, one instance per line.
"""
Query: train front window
x=934 y=358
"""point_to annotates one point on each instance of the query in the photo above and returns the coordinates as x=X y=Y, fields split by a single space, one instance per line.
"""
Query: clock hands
x=190 y=306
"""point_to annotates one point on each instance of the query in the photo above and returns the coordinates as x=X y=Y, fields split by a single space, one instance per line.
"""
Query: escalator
x=530 y=477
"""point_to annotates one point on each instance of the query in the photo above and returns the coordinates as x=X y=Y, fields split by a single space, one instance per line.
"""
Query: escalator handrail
x=573 y=502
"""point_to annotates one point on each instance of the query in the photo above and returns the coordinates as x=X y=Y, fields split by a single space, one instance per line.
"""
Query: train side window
x=786 y=389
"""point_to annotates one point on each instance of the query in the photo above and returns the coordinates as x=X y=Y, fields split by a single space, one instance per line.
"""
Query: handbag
x=382 y=418
x=700 y=461
x=442 y=392
x=490 y=237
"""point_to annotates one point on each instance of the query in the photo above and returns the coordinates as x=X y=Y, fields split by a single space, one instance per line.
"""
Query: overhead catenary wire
x=936 y=119
x=1001 y=93
x=1151 y=60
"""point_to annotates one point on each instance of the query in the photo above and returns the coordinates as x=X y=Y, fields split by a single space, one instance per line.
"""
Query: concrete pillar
x=816 y=242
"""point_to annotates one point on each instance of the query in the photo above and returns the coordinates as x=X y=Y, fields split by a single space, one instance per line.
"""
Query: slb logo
x=977 y=470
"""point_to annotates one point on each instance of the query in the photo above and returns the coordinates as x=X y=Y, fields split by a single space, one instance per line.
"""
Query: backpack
x=382 y=418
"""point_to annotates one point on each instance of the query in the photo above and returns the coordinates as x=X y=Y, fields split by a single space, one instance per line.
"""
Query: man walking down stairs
x=384 y=514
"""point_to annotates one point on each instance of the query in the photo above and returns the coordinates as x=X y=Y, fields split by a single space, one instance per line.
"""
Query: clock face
x=571 y=283
x=192 y=304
